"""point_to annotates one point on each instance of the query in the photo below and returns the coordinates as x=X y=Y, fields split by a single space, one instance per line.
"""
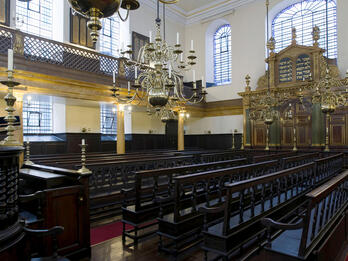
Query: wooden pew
x=326 y=212
x=298 y=160
x=275 y=156
x=204 y=188
x=141 y=206
x=247 y=202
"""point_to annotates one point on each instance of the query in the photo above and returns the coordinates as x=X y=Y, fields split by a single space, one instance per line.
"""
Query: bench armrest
x=127 y=190
x=211 y=210
x=54 y=231
x=30 y=197
x=163 y=199
x=270 y=223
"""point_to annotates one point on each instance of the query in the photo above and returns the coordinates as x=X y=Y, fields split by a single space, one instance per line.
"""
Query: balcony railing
x=37 y=49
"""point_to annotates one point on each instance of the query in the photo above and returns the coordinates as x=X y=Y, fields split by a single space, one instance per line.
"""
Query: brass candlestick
x=242 y=142
x=83 y=169
x=295 y=140
x=327 y=149
x=28 y=161
x=267 y=137
x=233 y=145
x=10 y=99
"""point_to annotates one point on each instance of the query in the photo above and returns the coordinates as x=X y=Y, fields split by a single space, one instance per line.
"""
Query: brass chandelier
x=94 y=10
x=158 y=72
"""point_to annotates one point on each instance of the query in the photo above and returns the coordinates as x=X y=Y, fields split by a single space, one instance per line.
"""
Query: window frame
x=284 y=20
x=44 y=21
x=222 y=58
x=107 y=112
x=44 y=108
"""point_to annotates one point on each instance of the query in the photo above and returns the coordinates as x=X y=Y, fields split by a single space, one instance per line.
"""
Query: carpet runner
x=106 y=232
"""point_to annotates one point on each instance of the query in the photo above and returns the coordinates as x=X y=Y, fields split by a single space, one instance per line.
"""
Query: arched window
x=110 y=36
x=222 y=55
x=35 y=17
x=304 y=16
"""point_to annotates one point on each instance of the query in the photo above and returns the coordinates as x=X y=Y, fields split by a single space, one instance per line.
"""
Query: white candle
x=170 y=71
x=129 y=86
x=114 y=77
x=83 y=142
x=136 y=72
x=177 y=38
x=181 y=57
x=191 y=44
x=194 y=76
x=203 y=83
x=122 y=47
x=10 y=60
x=150 y=34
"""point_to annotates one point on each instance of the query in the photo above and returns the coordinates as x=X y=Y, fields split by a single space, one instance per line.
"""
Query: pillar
x=121 y=143
x=181 y=120
x=318 y=126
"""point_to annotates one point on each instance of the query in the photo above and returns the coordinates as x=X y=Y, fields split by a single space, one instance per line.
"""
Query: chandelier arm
x=169 y=2
x=127 y=15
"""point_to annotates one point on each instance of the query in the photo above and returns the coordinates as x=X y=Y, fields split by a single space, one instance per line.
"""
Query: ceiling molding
x=206 y=13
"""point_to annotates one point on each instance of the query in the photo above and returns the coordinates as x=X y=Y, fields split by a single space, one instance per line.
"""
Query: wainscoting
x=69 y=142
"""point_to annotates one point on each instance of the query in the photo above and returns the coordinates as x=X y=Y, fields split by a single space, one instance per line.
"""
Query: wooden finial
x=293 y=33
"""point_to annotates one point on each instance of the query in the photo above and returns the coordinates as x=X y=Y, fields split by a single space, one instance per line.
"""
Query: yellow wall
x=143 y=123
x=78 y=117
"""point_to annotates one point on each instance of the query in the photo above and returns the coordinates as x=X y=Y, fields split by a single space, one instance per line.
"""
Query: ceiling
x=190 y=5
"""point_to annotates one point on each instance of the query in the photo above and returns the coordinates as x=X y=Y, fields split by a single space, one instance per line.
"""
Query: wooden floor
x=147 y=251
x=112 y=250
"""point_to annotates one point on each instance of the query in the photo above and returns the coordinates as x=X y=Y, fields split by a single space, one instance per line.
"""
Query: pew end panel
x=323 y=225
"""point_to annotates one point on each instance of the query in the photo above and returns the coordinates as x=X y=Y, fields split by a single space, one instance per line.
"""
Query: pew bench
x=275 y=195
x=184 y=224
x=319 y=235
x=141 y=204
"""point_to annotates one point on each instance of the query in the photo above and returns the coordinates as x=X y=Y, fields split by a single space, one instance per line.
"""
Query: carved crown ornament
x=296 y=72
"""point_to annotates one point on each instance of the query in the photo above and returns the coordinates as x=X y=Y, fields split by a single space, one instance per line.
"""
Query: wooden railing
x=39 y=49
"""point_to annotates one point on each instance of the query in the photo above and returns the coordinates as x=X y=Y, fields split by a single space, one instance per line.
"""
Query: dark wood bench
x=320 y=234
x=182 y=227
x=141 y=206
x=293 y=161
x=274 y=195
x=275 y=156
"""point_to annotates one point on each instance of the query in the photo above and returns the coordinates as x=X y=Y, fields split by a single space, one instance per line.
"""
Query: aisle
x=112 y=250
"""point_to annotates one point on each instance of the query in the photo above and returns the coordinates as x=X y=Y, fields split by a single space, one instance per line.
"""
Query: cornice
x=216 y=9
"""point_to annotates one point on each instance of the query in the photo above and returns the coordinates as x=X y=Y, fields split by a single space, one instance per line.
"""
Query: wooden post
x=121 y=148
x=181 y=120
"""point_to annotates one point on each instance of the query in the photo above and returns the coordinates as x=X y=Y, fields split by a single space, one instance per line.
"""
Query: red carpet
x=106 y=232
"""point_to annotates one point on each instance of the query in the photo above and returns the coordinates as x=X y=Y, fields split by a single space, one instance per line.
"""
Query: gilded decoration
x=297 y=77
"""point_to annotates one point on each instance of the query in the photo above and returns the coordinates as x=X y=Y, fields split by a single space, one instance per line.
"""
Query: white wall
x=248 y=45
x=59 y=115
x=142 y=21
x=216 y=125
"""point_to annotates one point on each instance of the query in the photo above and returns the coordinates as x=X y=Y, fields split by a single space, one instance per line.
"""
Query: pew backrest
x=325 y=204
x=211 y=184
x=293 y=161
x=159 y=180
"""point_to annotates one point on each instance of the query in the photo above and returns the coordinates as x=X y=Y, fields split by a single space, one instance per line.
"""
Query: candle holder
x=242 y=142
x=10 y=99
x=233 y=144
x=83 y=169
x=27 y=160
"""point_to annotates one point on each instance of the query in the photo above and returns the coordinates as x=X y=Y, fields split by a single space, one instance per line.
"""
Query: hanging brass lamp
x=94 y=10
